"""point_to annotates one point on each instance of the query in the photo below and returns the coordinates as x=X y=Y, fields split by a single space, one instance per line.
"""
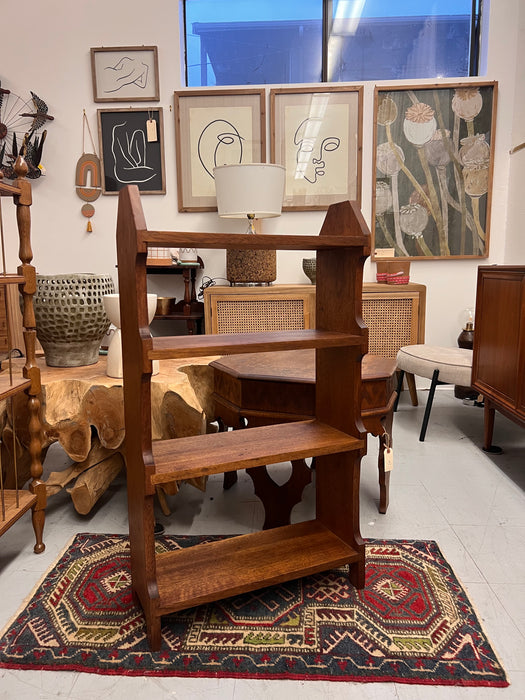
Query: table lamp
x=250 y=191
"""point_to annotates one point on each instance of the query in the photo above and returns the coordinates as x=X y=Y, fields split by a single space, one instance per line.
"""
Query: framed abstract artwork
x=132 y=149
x=316 y=134
x=125 y=74
x=432 y=170
x=215 y=127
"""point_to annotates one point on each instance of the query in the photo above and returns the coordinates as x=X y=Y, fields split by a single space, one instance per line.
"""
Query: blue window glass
x=248 y=42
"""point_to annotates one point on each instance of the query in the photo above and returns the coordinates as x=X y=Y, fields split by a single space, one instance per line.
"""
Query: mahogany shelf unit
x=165 y=583
x=14 y=500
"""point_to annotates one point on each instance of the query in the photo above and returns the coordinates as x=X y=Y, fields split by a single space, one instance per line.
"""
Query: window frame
x=327 y=14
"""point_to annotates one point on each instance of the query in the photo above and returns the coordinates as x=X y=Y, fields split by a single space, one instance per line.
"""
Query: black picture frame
x=127 y=156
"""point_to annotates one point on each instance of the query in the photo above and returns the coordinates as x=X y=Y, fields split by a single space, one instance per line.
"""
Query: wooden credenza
x=498 y=364
x=394 y=314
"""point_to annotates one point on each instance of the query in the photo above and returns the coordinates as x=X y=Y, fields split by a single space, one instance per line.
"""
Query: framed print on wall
x=433 y=163
x=316 y=133
x=132 y=149
x=215 y=127
x=125 y=74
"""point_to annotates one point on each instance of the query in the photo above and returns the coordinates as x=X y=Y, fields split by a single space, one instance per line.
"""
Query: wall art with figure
x=433 y=163
x=316 y=134
x=132 y=149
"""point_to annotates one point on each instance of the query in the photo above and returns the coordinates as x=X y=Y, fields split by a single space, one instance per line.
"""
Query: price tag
x=389 y=459
x=151 y=130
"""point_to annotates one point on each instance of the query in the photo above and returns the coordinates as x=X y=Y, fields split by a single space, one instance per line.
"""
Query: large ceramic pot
x=70 y=317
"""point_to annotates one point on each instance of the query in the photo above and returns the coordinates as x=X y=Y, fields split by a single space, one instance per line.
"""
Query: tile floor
x=445 y=489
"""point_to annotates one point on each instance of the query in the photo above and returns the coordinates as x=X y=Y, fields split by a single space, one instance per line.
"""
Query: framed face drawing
x=215 y=127
x=432 y=171
x=131 y=149
x=125 y=74
x=317 y=135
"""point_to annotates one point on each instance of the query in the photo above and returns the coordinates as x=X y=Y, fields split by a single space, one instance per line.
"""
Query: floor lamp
x=250 y=191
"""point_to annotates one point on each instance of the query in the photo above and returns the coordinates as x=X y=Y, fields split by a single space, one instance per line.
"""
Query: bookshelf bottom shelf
x=226 y=567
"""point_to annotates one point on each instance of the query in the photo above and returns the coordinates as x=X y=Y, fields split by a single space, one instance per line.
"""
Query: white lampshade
x=255 y=189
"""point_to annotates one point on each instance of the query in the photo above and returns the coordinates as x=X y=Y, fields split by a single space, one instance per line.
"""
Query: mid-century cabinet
x=394 y=314
x=498 y=363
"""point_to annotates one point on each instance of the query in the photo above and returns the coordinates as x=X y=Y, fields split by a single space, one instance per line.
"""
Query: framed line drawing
x=125 y=74
x=316 y=133
x=215 y=127
x=432 y=171
x=127 y=156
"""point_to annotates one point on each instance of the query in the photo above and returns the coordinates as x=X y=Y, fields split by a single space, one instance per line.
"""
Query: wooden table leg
x=279 y=499
x=489 y=413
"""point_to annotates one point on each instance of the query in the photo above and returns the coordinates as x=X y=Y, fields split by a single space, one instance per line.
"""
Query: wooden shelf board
x=11 y=278
x=215 y=570
x=215 y=453
x=242 y=241
x=12 y=511
x=167 y=347
x=6 y=189
x=180 y=316
x=10 y=387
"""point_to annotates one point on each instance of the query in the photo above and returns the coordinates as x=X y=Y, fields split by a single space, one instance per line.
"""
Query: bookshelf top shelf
x=169 y=347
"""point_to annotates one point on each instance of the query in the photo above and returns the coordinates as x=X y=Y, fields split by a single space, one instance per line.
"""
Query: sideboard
x=394 y=314
x=498 y=363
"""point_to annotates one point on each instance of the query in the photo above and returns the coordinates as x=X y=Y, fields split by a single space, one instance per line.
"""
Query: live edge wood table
x=82 y=409
x=275 y=387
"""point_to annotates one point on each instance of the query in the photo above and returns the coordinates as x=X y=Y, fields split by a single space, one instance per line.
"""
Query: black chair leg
x=429 y=405
x=399 y=387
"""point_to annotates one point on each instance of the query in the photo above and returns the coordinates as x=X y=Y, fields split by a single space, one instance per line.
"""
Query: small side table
x=274 y=387
x=187 y=309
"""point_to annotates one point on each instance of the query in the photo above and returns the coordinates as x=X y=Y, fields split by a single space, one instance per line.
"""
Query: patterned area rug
x=412 y=623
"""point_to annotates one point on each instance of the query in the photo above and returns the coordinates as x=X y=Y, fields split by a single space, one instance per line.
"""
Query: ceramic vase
x=70 y=317
x=310 y=268
x=112 y=306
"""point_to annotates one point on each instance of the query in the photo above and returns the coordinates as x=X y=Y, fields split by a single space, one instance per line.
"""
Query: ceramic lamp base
x=251 y=266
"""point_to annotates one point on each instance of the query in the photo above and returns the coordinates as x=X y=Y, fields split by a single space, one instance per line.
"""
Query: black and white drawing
x=128 y=157
x=125 y=73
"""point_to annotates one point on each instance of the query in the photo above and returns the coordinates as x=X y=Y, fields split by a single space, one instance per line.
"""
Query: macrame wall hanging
x=88 y=175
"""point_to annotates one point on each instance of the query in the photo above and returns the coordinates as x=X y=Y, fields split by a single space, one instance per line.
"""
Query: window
x=256 y=42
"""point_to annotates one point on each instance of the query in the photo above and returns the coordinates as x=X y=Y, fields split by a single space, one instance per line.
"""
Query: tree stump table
x=82 y=409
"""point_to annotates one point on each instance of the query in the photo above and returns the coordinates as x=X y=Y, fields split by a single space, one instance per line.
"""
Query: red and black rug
x=412 y=623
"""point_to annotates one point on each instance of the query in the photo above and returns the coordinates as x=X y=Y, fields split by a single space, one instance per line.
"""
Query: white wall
x=49 y=54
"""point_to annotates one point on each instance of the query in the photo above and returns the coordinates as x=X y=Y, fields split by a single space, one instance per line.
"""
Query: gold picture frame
x=316 y=134
x=433 y=159
x=215 y=127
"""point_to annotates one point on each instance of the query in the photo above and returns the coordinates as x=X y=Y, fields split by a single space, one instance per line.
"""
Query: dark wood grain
x=164 y=584
x=498 y=363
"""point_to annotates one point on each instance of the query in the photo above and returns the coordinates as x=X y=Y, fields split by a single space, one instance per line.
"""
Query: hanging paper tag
x=151 y=130
x=389 y=459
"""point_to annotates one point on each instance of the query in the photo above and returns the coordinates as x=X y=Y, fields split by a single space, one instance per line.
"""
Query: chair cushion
x=454 y=364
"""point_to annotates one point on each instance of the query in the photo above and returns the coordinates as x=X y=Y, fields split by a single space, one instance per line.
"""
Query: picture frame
x=215 y=127
x=131 y=145
x=433 y=159
x=125 y=74
x=316 y=133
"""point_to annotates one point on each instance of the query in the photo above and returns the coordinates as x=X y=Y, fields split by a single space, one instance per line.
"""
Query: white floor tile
x=446 y=489
x=497 y=551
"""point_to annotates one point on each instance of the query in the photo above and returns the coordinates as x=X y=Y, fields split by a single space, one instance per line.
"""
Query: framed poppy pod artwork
x=432 y=170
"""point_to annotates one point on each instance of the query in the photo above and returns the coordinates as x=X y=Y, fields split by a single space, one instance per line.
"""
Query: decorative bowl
x=309 y=268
